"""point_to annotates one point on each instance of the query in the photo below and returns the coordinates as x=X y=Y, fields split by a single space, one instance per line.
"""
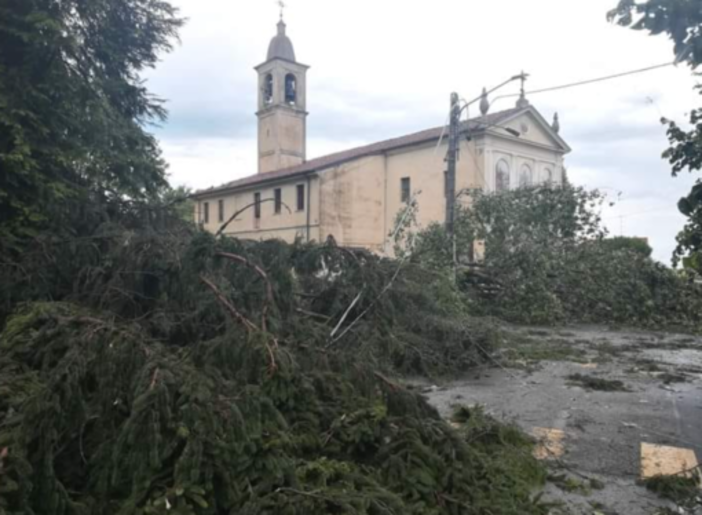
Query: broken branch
x=228 y=305
x=242 y=210
x=264 y=276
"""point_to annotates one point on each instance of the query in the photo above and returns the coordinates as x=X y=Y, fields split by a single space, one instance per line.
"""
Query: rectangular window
x=206 y=212
x=220 y=211
x=300 y=197
x=257 y=206
x=405 y=189
x=278 y=194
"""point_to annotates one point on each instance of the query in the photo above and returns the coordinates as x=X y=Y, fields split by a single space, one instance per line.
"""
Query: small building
x=355 y=195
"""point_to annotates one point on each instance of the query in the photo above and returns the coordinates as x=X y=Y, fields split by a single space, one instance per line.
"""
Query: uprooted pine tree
x=153 y=368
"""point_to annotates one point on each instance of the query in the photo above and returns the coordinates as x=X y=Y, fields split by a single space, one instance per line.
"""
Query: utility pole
x=451 y=160
x=452 y=156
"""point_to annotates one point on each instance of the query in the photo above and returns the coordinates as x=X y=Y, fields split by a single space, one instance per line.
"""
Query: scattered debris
x=671 y=377
x=597 y=383
x=647 y=365
x=684 y=490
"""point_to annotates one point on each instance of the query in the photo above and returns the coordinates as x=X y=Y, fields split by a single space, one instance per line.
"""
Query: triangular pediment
x=532 y=127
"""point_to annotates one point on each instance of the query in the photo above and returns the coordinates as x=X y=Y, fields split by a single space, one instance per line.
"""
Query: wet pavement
x=614 y=437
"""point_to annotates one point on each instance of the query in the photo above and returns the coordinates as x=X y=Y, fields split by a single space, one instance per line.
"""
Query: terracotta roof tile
x=338 y=158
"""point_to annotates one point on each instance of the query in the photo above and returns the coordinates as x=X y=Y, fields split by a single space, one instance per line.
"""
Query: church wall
x=360 y=200
x=286 y=226
x=425 y=167
x=351 y=203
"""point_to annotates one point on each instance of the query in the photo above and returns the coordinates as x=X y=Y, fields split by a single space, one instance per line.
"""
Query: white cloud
x=381 y=69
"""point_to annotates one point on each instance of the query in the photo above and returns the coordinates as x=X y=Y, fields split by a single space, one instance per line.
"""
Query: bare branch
x=3 y=454
x=372 y=304
x=244 y=209
x=228 y=305
x=154 y=379
x=346 y=313
x=312 y=314
x=264 y=276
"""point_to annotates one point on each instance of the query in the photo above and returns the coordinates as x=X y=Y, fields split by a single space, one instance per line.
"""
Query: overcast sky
x=381 y=69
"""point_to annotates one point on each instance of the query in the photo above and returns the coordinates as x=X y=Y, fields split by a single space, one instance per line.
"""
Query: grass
x=597 y=383
x=576 y=486
x=518 y=348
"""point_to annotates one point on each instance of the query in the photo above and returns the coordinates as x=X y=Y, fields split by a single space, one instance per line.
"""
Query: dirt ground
x=607 y=406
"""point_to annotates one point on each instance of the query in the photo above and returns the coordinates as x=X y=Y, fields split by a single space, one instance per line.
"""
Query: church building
x=355 y=195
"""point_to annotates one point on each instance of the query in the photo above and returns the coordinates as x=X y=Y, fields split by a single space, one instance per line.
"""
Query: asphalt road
x=613 y=436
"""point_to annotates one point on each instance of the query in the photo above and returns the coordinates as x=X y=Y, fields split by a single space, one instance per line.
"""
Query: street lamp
x=452 y=156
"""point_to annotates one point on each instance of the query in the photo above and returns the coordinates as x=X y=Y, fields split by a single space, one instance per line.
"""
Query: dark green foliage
x=180 y=200
x=597 y=383
x=159 y=373
x=681 y=21
x=547 y=261
x=73 y=108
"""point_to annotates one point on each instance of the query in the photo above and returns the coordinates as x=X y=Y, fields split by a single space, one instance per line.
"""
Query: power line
x=636 y=213
x=591 y=81
x=557 y=88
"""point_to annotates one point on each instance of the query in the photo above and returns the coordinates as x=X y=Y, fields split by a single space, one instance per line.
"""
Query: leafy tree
x=639 y=245
x=73 y=108
x=180 y=199
x=528 y=234
x=681 y=20
x=516 y=220
x=547 y=260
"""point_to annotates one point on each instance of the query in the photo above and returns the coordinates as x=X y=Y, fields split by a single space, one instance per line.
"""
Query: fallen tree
x=162 y=370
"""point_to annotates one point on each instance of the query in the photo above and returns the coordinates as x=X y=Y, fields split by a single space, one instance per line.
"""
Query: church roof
x=281 y=47
x=321 y=163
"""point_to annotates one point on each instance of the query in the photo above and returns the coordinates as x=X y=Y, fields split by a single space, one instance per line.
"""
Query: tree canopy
x=681 y=20
x=74 y=108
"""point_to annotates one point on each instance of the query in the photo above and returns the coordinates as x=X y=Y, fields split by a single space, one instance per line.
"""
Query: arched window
x=549 y=176
x=268 y=89
x=290 y=89
x=525 y=176
x=502 y=175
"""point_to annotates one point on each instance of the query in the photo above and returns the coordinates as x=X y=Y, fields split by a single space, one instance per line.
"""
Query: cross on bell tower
x=282 y=102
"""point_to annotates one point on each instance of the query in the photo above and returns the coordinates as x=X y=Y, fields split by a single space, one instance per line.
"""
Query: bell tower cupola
x=282 y=103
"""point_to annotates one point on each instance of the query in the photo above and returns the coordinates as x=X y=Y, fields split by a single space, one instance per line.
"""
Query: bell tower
x=282 y=102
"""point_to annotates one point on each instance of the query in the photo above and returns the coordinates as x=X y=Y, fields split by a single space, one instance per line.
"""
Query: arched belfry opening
x=282 y=115
x=290 y=89
x=268 y=89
